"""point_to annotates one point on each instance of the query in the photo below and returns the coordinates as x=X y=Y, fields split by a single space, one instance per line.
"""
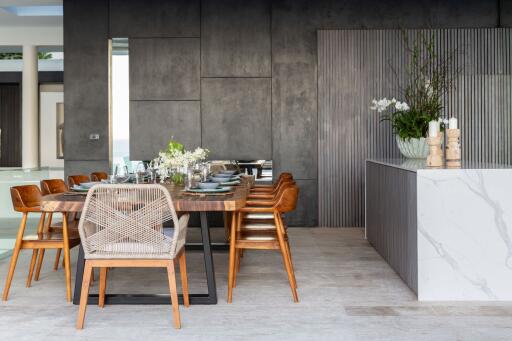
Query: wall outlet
x=94 y=136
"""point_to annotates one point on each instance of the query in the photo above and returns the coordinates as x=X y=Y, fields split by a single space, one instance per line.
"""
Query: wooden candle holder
x=435 y=156
x=453 y=148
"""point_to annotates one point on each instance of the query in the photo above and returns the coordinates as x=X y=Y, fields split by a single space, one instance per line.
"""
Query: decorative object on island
x=428 y=79
x=435 y=141
x=453 y=155
x=175 y=162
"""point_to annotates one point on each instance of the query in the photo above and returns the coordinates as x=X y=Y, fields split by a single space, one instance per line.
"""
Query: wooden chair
x=131 y=234
x=272 y=188
x=98 y=176
x=77 y=180
x=259 y=198
x=269 y=234
x=27 y=199
x=54 y=186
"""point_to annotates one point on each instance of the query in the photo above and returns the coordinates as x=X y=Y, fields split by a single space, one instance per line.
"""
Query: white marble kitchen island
x=447 y=232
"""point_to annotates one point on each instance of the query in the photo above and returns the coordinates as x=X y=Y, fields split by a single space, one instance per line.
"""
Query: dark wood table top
x=183 y=201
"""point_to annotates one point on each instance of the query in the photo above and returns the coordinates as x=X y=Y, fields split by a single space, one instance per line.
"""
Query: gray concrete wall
x=86 y=86
x=263 y=39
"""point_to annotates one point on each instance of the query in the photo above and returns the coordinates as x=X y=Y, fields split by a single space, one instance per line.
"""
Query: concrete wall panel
x=236 y=118
x=235 y=38
x=164 y=69
x=154 y=123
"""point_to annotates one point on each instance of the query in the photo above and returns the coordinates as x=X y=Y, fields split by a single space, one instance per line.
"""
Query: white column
x=30 y=109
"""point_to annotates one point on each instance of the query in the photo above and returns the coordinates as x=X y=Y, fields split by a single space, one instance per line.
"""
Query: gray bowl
x=228 y=172
x=208 y=185
x=222 y=175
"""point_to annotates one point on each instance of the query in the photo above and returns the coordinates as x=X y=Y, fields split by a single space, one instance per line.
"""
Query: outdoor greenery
x=19 y=55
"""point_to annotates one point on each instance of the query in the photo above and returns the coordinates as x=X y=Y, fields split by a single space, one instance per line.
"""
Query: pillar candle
x=433 y=128
x=453 y=123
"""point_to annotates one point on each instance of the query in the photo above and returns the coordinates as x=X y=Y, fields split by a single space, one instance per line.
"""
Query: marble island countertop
x=447 y=232
x=414 y=165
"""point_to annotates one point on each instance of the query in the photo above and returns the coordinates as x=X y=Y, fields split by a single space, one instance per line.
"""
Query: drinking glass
x=140 y=172
x=121 y=173
x=205 y=171
x=152 y=170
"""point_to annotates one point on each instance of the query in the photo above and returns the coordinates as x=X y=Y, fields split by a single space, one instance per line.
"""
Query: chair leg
x=40 y=230
x=238 y=259
x=231 y=273
x=41 y=252
x=174 y=294
x=289 y=253
x=184 y=279
x=32 y=266
x=237 y=266
x=67 y=266
x=286 y=261
x=84 y=296
x=57 y=260
x=14 y=258
x=39 y=264
x=103 y=286
x=287 y=249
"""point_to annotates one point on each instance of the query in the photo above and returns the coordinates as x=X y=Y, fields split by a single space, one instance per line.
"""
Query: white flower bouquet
x=175 y=161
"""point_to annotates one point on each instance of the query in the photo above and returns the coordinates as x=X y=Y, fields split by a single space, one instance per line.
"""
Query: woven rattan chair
x=122 y=226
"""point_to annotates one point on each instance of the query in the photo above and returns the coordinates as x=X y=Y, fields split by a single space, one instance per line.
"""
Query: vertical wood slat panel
x=355 y=66
x=10 y=123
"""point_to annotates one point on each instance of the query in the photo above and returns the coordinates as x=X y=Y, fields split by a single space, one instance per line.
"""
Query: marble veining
x=464 y=239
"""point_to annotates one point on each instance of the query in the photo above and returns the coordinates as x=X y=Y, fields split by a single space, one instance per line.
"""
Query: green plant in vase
x=428 y=79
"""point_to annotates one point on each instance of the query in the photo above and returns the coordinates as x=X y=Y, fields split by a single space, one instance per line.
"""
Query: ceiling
x=8 y=19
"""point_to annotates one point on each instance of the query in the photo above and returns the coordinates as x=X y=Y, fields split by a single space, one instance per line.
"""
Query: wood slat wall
x=10 y=124
x=355 y=66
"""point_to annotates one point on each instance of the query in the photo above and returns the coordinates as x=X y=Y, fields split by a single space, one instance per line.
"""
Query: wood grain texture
x=182 y=202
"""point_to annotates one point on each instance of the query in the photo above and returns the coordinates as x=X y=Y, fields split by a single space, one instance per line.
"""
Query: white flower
x=178 y=160
x=200 y=154
x=401 y=106
x=381 y=104
x=384 y=103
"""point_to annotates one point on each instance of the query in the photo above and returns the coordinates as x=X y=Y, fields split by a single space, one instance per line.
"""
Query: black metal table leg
x=208 y=259
x=80 y=264
x=209 y=298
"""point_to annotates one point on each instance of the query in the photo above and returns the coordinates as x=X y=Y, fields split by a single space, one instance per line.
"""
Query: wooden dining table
x=184 y=202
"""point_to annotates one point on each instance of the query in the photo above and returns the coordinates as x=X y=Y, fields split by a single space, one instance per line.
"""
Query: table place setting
x=219 y=183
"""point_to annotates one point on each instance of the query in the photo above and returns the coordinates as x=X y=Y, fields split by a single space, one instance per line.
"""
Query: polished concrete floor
x=347 y=292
